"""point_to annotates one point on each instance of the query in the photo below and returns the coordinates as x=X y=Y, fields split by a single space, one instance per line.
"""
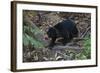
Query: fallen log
x=77 y=49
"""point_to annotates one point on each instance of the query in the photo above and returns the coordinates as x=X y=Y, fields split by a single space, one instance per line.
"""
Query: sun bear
x=66 y=30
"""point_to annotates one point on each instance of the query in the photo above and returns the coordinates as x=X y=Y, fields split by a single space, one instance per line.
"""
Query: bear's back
x=65 y=25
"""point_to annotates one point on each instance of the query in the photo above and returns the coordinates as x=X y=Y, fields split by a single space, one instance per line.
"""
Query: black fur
x=65 y=29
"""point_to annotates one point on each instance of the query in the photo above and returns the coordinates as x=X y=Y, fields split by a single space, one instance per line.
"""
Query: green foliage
x=30 y=36
x=28 y=40
x=86 y=53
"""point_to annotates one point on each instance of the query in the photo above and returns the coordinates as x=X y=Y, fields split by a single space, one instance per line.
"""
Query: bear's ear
x=47 y=29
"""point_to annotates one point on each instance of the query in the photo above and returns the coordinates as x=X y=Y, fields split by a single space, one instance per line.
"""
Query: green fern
x=86 y=53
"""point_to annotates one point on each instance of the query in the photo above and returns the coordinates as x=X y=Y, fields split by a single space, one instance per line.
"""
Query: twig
x=85 y=32
x=78 y=39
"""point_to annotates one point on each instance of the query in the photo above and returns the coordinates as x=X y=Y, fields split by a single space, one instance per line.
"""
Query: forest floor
x=77 y=49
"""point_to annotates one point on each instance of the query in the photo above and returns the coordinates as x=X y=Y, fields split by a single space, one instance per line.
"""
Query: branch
x=85 y=32
x=67 y=47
